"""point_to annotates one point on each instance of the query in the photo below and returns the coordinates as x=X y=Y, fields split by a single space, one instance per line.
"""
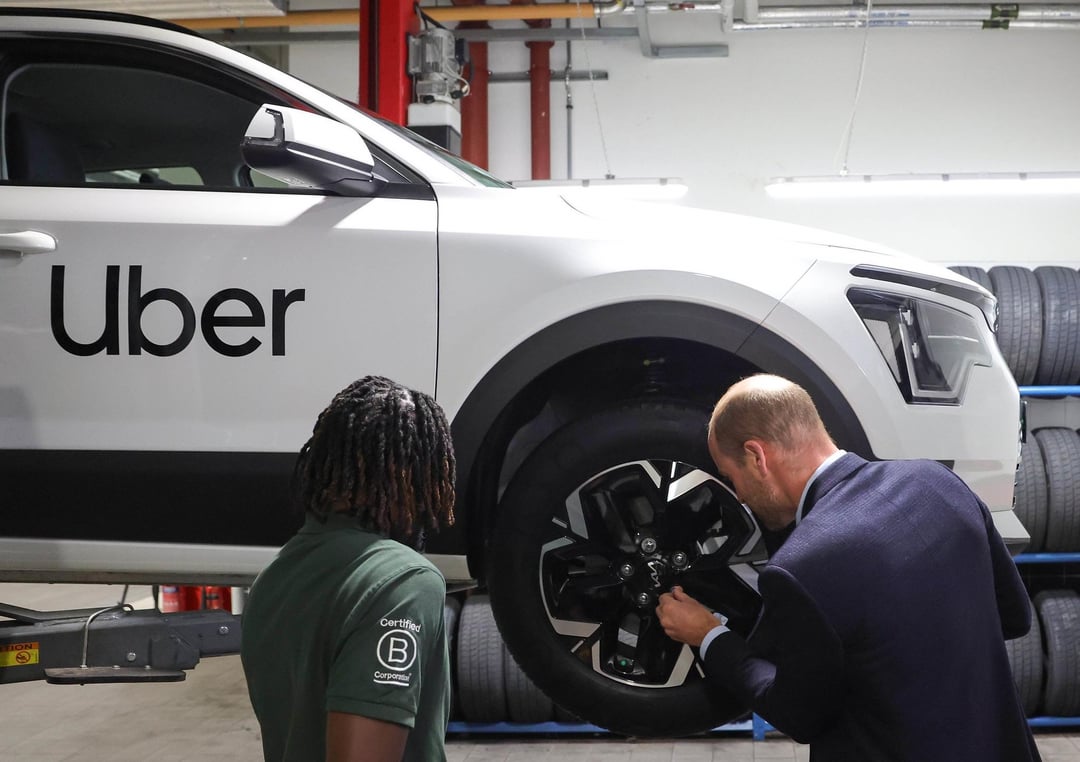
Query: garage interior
x=735 y=105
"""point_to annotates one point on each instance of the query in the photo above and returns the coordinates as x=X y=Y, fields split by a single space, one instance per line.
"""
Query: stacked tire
x=1027 y=661
x=1048 y=490
x=1059 y=617
x=1038 y=320
x=1046 y=662
x=489 y=686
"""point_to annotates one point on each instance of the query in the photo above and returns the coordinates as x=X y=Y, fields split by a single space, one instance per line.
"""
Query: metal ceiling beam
x=540 y=35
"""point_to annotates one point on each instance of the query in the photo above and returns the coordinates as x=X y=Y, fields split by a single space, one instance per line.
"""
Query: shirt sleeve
x=377 y=669
x=711 y=635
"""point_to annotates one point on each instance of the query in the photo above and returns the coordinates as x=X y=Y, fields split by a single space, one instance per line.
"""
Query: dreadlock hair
x=382 y=453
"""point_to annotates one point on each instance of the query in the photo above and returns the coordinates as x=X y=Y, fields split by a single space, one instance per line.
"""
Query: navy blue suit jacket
x=883 y=623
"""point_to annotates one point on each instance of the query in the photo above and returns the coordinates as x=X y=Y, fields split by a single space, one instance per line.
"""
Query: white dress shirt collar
x=817 y=472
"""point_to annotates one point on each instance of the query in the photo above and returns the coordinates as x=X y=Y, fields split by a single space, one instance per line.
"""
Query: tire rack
x=1031 y=561
x=476 y=677
x=1038 y=334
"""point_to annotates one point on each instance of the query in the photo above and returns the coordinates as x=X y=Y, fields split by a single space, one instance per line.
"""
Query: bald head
x=768 y=409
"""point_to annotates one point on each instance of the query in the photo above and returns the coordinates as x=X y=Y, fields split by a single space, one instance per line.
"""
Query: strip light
x=925 y=185
x=636 y=188
x=172 y=9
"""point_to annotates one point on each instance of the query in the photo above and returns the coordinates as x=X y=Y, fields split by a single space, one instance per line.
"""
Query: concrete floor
x=207 y=718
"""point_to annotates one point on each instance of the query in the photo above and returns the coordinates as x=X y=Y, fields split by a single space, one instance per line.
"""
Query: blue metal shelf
x=1053 y=722
x=757 y=726
x=1050 y=391
x=1047 y=558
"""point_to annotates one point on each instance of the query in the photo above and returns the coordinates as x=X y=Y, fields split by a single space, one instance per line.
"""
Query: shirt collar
x=824 y=464
x=333 y=523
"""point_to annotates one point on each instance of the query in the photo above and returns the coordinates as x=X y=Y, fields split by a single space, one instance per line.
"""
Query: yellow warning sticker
x=18 y=654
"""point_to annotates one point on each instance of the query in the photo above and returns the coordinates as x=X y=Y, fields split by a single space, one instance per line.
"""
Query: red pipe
x=369 y=56
x=540 y=107
x=474 y=106
x=385 y=87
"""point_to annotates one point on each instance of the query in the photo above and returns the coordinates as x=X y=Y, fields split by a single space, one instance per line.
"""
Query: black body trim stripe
x=214 y=498
x=969 y=295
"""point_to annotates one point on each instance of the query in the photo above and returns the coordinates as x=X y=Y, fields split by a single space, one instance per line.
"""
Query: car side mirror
x=309 y=150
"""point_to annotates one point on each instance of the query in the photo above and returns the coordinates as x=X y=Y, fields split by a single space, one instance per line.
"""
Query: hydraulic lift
x=115 y=644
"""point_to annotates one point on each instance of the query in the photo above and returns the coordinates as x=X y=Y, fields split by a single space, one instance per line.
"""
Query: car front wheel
x=608 y=513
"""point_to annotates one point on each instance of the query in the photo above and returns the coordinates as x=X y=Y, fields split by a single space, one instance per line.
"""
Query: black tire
x=1059 y=611
x=451 y=617
x=1020 y=320
x=976 y=274
x=566 y=717
x=573 y=516
x=480 y=654
x=1061 y=456
x=1026 y=662
x=1031 y=498
x=1059 y=357
x=524 y=701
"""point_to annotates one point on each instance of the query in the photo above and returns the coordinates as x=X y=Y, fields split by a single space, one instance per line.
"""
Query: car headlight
x=930 y=348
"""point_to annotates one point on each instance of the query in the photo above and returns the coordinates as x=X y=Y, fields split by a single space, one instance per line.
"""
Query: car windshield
x=481 y=176
x=474 y=172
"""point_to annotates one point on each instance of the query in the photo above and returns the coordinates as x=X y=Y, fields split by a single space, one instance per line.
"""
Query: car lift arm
x=113 y=644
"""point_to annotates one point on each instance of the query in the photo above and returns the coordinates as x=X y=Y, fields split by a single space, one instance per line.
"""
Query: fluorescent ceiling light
x=935 y=185
x=635 y=188
x=172 y=9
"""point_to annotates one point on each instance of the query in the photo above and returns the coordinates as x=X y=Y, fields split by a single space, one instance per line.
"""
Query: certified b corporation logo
x=397 y=650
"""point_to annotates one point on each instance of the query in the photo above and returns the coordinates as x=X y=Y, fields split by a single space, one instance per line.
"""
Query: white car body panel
x=979 y=438
x=369 y=307
x=433 y=292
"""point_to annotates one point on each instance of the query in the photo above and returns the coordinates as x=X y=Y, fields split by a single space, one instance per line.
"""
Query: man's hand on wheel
x=683 y=618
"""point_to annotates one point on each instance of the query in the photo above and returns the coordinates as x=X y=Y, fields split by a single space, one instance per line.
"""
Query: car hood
x=672 y=221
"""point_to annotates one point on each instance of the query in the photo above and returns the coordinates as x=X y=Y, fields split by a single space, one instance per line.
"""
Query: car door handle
x=26 y=242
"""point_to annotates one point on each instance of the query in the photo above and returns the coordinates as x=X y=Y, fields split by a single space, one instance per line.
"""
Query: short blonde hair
x=766 y=408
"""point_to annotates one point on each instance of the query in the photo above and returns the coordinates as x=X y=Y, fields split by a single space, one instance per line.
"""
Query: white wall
x=932 y=101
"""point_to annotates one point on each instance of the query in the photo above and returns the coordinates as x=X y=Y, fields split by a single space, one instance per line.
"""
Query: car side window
x=95 y=114
x=72 y=124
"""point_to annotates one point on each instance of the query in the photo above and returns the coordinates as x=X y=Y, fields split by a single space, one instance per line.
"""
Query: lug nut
x=643 y=599
x=679 y=560
x=626 y=571
x=648 y=545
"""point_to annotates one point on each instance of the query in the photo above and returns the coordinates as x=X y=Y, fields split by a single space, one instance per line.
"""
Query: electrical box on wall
x=439 y=122
x=436 y=61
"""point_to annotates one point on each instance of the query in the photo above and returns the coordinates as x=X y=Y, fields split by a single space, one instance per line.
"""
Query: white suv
x=171 y=323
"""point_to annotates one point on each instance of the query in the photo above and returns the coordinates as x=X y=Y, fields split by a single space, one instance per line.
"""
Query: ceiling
x=605 y=17
x=167 y=9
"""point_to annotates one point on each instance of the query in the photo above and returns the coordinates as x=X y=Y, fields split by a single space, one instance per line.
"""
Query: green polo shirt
x=345 y=620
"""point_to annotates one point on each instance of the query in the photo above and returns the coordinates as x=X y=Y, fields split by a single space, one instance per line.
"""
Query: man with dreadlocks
x=344 y=647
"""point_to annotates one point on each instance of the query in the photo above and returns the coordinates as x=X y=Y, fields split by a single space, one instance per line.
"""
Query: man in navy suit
x=886 y=600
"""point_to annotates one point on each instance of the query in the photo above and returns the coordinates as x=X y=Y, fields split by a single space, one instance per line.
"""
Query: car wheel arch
x=519 y=384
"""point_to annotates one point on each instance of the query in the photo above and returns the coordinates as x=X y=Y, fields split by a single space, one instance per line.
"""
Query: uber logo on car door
x=252 y=315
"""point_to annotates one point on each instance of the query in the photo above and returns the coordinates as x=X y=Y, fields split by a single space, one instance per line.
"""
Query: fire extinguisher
x=217 y=598
x=170 y=598
x=195 y=598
